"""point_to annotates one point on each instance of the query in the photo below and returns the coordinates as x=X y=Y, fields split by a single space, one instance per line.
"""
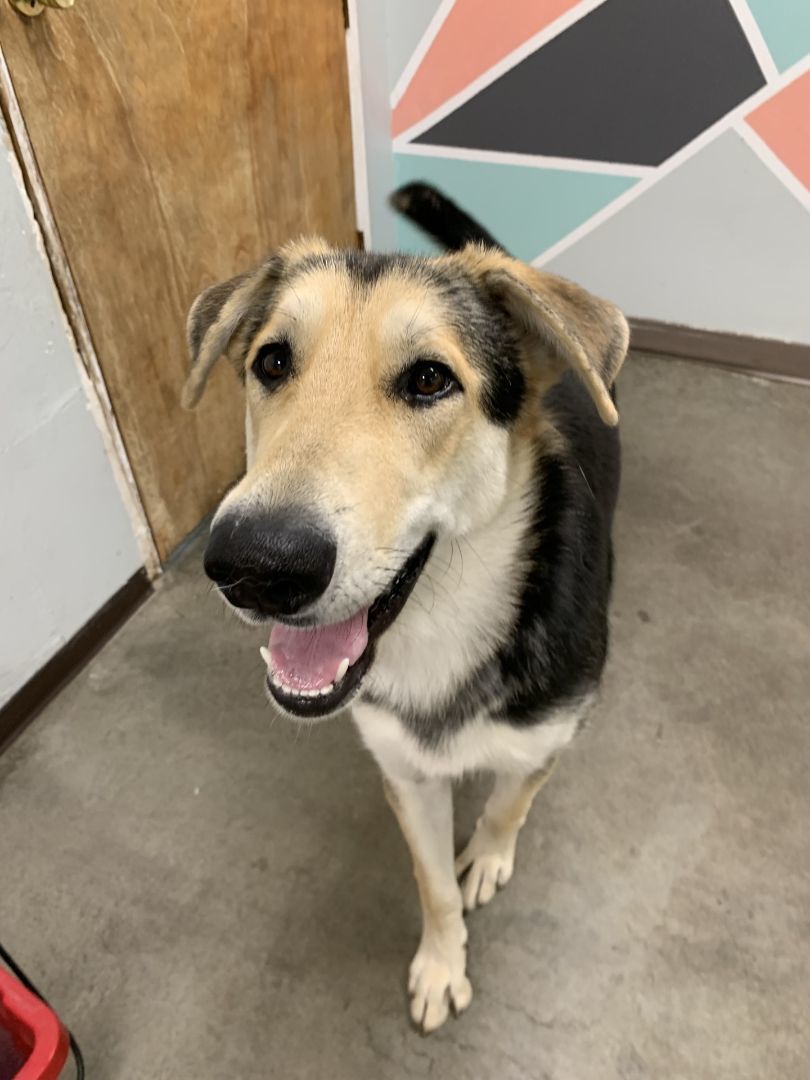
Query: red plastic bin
x=33 y=1043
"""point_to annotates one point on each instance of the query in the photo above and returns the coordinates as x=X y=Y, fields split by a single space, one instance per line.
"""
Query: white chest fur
x=462 y=607
x=481 y=744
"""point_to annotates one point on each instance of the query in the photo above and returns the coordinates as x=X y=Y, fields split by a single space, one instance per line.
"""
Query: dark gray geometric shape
x=631 y=82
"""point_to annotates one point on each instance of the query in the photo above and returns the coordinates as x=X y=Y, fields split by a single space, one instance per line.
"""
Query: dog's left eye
x=428 y=380
x=273 y=362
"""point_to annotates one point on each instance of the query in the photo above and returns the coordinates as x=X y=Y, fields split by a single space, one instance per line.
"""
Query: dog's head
x=387 y=398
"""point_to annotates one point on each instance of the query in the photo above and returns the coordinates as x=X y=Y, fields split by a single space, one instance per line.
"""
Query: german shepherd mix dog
x=424 y=526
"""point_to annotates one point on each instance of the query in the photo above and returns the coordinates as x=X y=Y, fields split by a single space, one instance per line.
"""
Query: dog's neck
x=463 y=606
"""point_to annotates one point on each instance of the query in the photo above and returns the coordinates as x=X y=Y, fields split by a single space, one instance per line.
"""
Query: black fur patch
x=488 y=335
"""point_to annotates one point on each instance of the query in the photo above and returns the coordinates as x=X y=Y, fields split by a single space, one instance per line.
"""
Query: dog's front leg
x=438 y=980
x=488 y=860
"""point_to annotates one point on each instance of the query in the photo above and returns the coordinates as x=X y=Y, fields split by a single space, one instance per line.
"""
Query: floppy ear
x=224 y=318
x=218 y=318
x=580 y=330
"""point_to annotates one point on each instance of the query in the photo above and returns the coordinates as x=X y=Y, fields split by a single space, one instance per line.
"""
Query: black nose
x=273 y=564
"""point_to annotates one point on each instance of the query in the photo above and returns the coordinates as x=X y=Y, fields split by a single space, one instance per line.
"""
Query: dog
x=425 y=526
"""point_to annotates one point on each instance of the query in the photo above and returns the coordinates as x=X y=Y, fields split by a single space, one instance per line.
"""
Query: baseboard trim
x=765 y=357
x=31 y=698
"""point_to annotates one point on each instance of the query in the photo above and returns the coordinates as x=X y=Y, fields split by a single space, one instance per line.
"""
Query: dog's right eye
x=426 y=382
x=273 y=363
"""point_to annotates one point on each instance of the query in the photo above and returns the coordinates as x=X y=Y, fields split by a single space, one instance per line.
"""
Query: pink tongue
x=309 y=659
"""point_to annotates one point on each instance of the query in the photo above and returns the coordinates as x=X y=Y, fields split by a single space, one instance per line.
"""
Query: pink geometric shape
x=475 y=35
x=783 y=122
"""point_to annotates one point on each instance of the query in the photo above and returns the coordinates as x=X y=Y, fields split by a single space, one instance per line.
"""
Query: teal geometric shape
x=785 y=25
x=527 y=209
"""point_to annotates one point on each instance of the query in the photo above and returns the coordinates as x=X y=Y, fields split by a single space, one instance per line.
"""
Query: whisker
x=484 y=565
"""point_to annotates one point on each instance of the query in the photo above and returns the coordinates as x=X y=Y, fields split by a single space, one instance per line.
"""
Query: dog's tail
x=440 y=218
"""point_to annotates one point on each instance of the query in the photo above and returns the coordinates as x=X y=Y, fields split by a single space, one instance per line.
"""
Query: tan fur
x=590 y=334
x=217 y=337
x=302 y=247
x=510 y=817
x=334 y=426
x=487 y=862
x=435 y=906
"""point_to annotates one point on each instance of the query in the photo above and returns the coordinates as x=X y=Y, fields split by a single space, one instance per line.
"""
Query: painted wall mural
x=552 y=119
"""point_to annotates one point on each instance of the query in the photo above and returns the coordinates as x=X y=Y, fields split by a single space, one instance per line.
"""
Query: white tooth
x=309 y=693
x=264 y=653
x=277 y=681
x=327 y=689
x=344 y=667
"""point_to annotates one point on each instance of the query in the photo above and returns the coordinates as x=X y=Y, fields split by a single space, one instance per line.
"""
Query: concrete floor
x=207 y=892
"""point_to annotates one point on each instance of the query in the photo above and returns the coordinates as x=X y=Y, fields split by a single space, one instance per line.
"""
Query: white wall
x=371 y=122
x=66 y=542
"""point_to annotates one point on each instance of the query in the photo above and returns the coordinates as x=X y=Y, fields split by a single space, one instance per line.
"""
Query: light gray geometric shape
x=407 y=24
x=718 y=244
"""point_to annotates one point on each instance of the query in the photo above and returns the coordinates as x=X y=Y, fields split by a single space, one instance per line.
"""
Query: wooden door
x=179 y=142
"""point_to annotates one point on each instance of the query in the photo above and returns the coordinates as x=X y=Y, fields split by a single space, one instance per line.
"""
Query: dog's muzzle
x=275 y=566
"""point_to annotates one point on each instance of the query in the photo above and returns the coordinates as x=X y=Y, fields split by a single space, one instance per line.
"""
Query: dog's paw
x=437 y=980
x=485 y=865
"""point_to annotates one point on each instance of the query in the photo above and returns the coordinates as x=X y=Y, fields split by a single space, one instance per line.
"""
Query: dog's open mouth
x=314 y=671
